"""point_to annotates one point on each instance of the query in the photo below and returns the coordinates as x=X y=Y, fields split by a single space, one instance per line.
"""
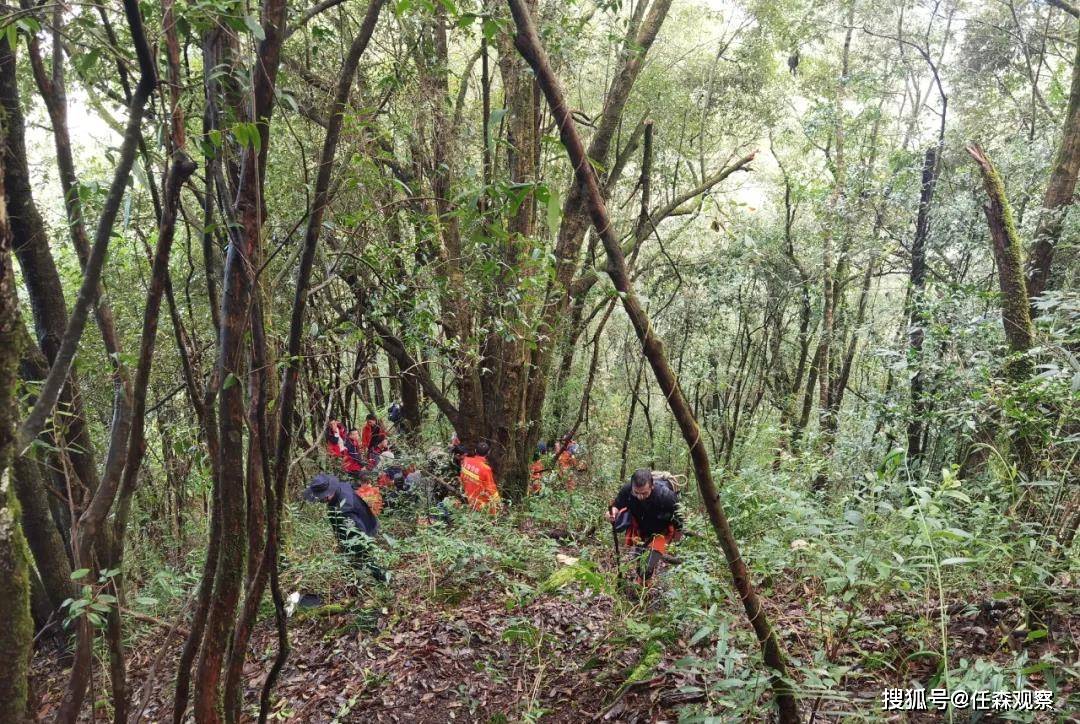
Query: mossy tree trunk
x=17 y=628
x=1015 y=312
x=1059 y=191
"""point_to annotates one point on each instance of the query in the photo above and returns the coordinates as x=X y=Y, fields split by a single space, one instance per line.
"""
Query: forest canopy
x=785 y=290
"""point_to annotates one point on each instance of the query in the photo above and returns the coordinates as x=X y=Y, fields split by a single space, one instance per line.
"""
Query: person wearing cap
x=478 y=480
x=648 y=510
x=351 y=519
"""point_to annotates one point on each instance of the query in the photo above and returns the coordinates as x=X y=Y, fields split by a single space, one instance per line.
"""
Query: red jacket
x=366 y=434
x=478 y=482
x=351 y=459
x=335 y=444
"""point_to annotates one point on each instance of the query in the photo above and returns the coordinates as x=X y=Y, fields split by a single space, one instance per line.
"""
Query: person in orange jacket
x=564 y=457
x=537 y=469
x=647 y=509
x=478 y=480
x=536 y=474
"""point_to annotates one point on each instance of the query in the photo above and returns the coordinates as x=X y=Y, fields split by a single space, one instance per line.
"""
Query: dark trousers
x=357 y=545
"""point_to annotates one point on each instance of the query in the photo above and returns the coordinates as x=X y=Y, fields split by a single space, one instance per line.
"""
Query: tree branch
x=583 y=283
x=50 y=392
x=406 y=362
x=1066 y=6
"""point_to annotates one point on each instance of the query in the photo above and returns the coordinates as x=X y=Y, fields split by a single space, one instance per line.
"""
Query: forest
x=539 y=360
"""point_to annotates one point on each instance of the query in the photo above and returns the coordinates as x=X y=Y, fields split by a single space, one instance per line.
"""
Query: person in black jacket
x=350 y=518
x=648 y=510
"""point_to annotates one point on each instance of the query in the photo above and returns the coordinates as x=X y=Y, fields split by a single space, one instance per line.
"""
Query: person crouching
x=648 y=510
x=478 y=480
x=352 y=521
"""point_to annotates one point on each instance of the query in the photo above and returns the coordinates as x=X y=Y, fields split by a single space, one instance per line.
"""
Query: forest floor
x=521 y=619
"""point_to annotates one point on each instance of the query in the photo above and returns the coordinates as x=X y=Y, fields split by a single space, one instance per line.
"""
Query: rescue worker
x=564 y=457
x=352 y=521
x=352 y=462
x=478 y=480
x=457 y=452
x=648 y=510
x=378 y=448
x=372 y=433
x=536 y=474
x=396 y=413
x=538 y=468
x=335 y=439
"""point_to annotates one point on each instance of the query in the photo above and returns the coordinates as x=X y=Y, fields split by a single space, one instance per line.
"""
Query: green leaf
x=255 y=27
x=1036 y=668
x=701 y=633
x=957 y=494
x=554 y=212
x=494 y=120
x=81 y=573
x=230 y=380
x=1039 y=633
x=956 y=561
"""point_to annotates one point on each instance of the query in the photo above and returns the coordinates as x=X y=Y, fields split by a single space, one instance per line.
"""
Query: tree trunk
x=283 y=434
x=917 y=320
x=828 y=416
x=95 y=262
x=642 y=30
x=807 y=403
x=1015 y=310
x=1058 y=196
x=17 y=630
x=624 y=454
x=39 y=274
x=46 y=545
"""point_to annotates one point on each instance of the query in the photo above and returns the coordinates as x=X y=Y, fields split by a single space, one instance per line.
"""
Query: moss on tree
x=16 y=624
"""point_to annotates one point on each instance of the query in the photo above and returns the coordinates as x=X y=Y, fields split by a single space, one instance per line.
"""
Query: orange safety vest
x=566 y=466
x=536 y=474
x=478 y=482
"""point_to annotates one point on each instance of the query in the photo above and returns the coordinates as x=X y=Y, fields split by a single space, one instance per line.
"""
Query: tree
x=17 y=633
x=1060 y=189
x=1015 y=312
